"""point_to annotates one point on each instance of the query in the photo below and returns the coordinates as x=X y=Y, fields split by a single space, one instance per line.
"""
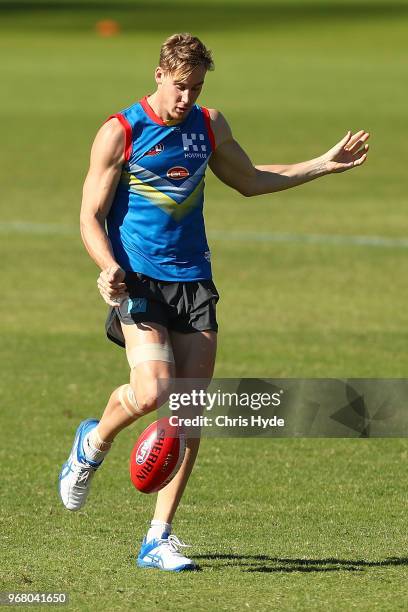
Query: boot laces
x=83 y=472
x=174 y=543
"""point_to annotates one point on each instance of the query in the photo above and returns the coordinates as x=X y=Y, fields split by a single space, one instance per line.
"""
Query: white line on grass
x=27 y=227
x=375 y=241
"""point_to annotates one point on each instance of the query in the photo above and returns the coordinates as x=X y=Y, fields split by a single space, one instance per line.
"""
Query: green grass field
x=276 y=524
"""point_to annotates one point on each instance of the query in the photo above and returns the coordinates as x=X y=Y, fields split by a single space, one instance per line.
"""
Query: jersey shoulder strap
x=128 y=118
x=207 y=121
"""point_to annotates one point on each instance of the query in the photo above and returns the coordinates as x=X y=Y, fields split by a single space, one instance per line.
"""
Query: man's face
x=179 y=94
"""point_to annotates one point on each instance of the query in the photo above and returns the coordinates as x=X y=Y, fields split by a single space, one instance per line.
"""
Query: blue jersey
x=156 y=223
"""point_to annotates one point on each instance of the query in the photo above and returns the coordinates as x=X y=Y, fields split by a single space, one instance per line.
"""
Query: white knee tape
x=128 y=401
x=149 y=352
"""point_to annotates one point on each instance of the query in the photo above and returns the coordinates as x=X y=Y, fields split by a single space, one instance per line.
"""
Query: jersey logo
x=178 y=173
x=190 y=142
x=156 y=149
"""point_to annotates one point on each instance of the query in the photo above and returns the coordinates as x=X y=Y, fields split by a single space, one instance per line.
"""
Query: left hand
x=349 y=153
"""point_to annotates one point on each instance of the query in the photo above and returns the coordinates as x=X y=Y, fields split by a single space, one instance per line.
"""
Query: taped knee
x=128 y=401
x=149 y=352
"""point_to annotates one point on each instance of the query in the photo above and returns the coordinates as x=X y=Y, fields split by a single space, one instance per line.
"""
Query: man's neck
x=154 y=104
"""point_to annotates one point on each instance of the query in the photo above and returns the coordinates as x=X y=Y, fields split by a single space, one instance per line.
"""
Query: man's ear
x=159 y=75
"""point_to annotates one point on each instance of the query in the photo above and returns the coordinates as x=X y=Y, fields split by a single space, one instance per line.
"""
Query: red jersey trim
x=128 y=134
x=150 y=112
x=207 y=120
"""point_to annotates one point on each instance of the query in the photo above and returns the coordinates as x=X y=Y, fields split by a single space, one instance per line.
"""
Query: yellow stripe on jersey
x=176 y=210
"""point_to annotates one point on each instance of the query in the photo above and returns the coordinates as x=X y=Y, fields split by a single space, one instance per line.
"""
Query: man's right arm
x=107 y=157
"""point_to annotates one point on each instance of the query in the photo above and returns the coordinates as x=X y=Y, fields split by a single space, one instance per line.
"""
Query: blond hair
x=182 y=53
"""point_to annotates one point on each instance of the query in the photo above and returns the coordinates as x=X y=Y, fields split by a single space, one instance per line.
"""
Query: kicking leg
x=151 y=358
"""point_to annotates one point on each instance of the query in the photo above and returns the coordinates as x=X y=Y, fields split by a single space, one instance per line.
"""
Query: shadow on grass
x=181 y=16
x=256 y=563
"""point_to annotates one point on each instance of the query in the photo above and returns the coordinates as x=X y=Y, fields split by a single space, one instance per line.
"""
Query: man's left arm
x=231 y=164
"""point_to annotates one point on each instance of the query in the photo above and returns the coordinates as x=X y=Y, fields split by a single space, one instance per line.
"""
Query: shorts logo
x=137 y=305
x=142 y=452
x=178 y=173
x=207 y=255
x=159 y=148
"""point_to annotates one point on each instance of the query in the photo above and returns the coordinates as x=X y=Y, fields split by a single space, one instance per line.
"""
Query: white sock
x=92 y=446
x=157 y=529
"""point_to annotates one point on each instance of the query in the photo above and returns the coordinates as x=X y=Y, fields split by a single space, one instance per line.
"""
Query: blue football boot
x=77 y=472
x=164 y=554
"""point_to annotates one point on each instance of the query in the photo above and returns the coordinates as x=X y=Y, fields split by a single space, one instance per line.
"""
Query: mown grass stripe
x=27 y=227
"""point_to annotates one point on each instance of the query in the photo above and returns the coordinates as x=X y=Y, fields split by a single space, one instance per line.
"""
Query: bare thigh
x=145 y=376
x=194 y=353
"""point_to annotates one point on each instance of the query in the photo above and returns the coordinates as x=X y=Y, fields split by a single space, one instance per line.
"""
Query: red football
x=157 y=456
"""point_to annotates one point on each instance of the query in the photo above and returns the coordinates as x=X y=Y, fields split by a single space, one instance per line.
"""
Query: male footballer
x=142 y=223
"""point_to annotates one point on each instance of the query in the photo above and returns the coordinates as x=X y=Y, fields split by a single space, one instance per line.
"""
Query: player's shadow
x=266 y=564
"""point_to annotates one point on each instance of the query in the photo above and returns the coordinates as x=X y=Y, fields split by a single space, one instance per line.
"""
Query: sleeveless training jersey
x=156 y=223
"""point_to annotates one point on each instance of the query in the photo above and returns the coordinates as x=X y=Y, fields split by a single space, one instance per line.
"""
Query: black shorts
x=184 y=307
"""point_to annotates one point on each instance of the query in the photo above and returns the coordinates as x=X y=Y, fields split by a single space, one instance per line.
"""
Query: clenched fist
x=111 y=285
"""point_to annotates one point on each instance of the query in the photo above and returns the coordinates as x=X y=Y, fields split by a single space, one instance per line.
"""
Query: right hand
x=111 y=285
